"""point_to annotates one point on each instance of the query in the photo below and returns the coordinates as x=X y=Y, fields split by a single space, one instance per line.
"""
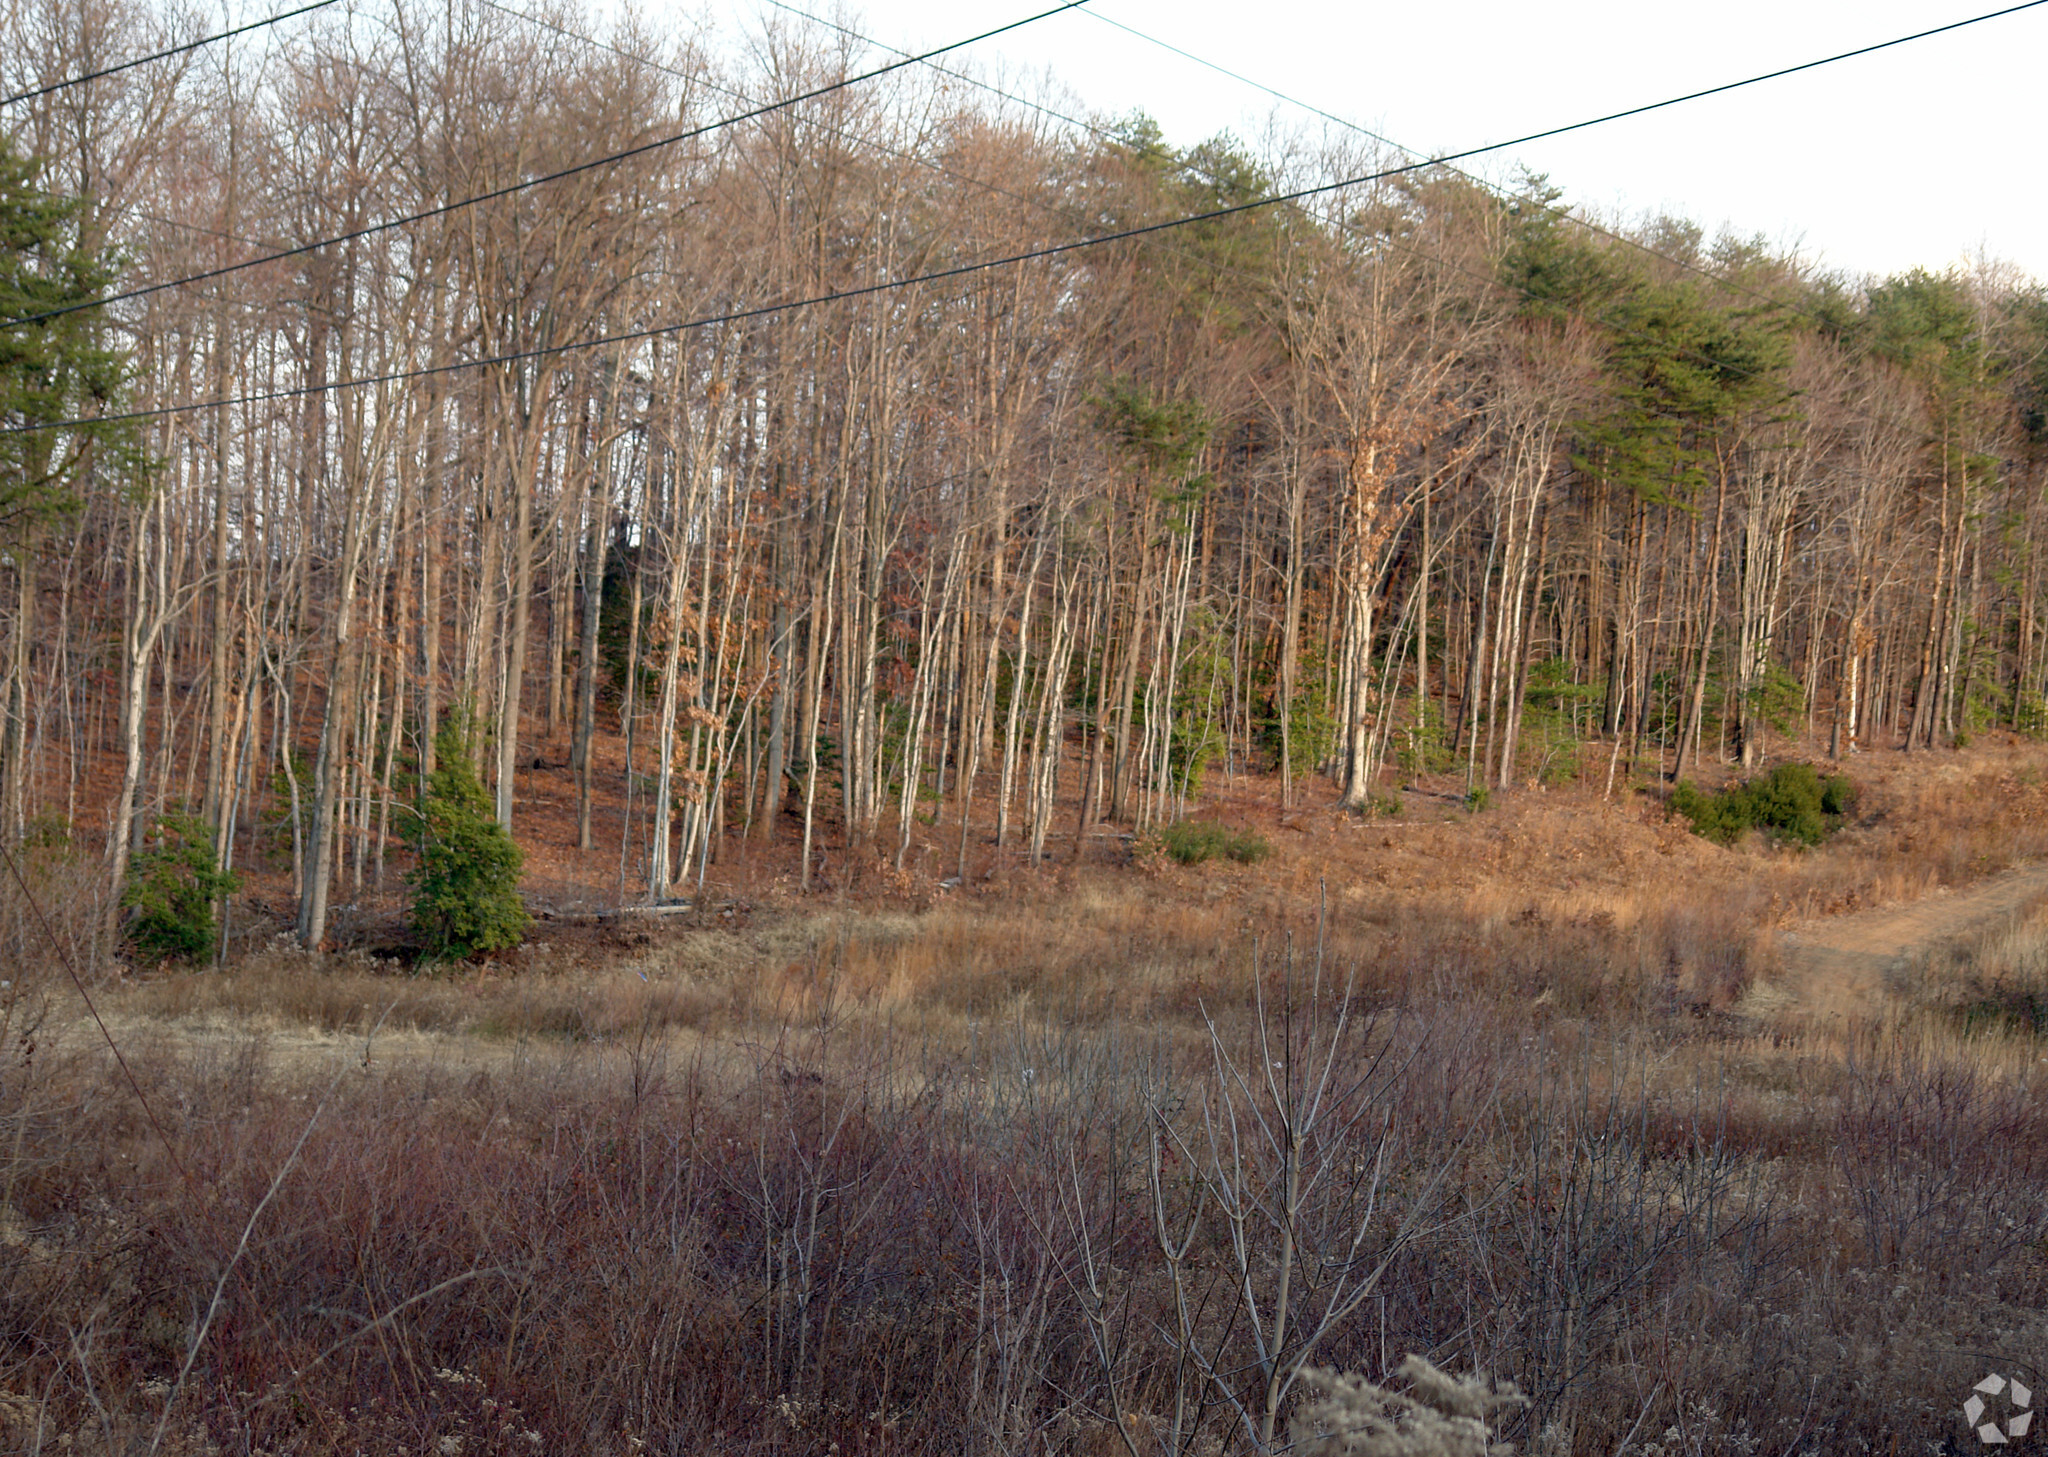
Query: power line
x=565 y=33
x=826 y=127
x=1635 y=110
x=962 y=76
x=1773 y=301
x=610 y=159
x=712 y=320
x=1520 y=198
x=687 y=77
x=1064 y=214
x=963 y=270
x=1721 y=280
x=1526 y=199
x=1602 y=320
x=1258 y=86
x=178 y=50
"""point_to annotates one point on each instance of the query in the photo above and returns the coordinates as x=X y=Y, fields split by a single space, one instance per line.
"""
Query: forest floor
x=1561 y=895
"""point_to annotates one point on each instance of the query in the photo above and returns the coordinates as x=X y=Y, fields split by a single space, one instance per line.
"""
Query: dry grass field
x=1708 y=1150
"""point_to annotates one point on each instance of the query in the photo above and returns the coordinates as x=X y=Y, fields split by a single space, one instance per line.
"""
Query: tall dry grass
x=1094 y=1167
x=845 y=1230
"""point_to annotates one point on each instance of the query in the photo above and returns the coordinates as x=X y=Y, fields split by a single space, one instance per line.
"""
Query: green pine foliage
x=57 y=369
x=1161 y=442
x=173 y=883
x=1794 y=802
x=466 y=888
x=1312 y=722
x=1561 y=713
x=1202 y=683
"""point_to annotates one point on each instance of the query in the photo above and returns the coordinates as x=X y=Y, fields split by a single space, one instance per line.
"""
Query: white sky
x=1925 y=154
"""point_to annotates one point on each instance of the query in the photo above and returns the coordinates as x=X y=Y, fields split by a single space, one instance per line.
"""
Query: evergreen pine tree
x=172 y=886
x=56 y=369
x=466 y=888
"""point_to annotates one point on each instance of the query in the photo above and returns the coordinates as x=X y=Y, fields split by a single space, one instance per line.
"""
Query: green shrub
x=1423 y=747
x=1312 y=719
x=466 y=888
x=2030 y=715
x=1561 y=711
x=2006 y=1007
x=1794 y=802
x=1193 y=841
x=1195 y=738
x=172 y=885
x=1778 y=699
x=47 y=835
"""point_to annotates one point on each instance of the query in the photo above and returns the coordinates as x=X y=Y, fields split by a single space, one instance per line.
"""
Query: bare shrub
x=1282 y=1176
x=1937 y=1159
x=991 y=1234
x=53 y=909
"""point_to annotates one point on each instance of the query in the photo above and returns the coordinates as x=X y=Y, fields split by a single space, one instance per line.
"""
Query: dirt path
x=1845 y=963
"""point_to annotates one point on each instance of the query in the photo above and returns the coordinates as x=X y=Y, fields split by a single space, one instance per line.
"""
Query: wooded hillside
x=1413 y=475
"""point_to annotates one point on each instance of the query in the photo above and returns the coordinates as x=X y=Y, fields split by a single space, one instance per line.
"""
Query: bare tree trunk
x=596 y=542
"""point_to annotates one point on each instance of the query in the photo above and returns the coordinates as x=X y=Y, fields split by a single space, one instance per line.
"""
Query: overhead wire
x=511 y=189
x=912 y=158
x=816 y=125
x=984 y=265
x=689 y=77
x=1719 y=278
x=1520 y=199
x=1333 y=220
x=1446 y=162
x=165 y=54
x=967 y=77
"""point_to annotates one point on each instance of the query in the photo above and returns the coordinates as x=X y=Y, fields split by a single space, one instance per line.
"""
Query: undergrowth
x=1051 y=1221
x=1042 y=1241
x=1793 y=802
x=1193 y=841
x=174 y=881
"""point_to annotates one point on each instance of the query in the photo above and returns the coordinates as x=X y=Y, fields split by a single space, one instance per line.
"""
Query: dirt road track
x=1843 y=961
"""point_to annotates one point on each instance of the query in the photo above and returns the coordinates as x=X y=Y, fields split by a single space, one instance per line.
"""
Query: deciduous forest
x=1419 y=471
